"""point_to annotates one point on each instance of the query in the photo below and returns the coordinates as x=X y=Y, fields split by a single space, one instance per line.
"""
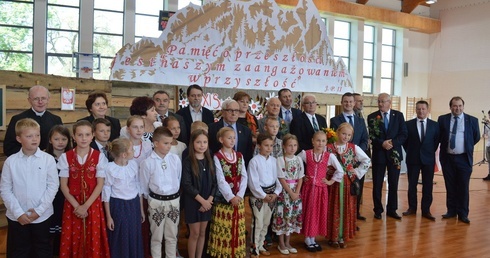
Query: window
x=146 y=19
x=16 y=30
x=388 y=60
x=341 y=45
x=368 y=59
x=62 y=36
x=108 y=33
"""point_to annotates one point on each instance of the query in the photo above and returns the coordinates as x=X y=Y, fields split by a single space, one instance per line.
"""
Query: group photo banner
x=238 y=45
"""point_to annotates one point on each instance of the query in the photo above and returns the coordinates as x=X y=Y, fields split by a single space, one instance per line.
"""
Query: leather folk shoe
x=393 y=215
x=409 y=212
x=429 y=216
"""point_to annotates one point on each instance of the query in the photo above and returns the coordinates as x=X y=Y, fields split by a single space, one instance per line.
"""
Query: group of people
x=120 y=191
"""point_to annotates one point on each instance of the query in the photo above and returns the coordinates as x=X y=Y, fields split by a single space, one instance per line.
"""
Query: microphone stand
x=484 y=159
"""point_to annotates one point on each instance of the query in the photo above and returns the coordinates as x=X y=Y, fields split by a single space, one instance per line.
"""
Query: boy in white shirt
x=28 y=186
x=264 y=186
x=160 y=176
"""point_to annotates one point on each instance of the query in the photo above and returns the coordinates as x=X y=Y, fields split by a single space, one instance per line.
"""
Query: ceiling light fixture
x=431 y=1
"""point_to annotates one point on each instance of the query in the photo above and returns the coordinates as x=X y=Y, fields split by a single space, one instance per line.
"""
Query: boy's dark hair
x=264 y=136
x=161 y=132
x=100 y=121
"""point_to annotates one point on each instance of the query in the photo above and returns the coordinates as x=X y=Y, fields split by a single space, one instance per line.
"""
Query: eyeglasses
x=43 y=99
x=231 y=110
x=310 y=103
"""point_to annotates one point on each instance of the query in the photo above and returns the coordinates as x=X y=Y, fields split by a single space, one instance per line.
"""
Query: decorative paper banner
x=238 y=45
x=67 y=99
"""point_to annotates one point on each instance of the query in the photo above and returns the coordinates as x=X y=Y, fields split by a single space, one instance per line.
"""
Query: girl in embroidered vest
x=314 y=192
x=287 y=218
x=342 y=217
x=81 y=180
x=227 y=233
x=59 y=143
x=199 y=187
x=123 y=202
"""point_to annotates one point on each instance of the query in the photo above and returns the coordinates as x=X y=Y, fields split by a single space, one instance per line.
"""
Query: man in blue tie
x=388 y=132
x=360 y=137
x=459 y=134
x=288 y=113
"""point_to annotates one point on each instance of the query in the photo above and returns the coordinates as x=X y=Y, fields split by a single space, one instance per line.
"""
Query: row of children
x=213 y=188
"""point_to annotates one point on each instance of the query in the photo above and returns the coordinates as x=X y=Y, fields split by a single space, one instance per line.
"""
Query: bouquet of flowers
x=331 y=135
x=375 y=130
x=395 y=157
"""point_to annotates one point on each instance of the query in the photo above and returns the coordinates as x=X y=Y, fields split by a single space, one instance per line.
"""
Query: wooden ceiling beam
x=409 y=5
x=362 y=1
x=371 y=13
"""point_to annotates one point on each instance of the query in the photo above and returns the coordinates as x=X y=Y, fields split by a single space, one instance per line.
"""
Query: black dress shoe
x=464 y=220
x=393 y=215
x=448 y=216
x=377 y=215
x=359 y=217
x=428 y=215
x=409 y=212
x=310 y=248
x=317 y=247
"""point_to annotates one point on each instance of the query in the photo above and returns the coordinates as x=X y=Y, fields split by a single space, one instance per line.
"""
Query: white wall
x=460 y=58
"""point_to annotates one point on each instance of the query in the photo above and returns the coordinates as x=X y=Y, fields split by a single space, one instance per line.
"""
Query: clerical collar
x=38 y=113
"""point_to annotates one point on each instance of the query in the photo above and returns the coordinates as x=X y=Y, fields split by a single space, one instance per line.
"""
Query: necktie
x=385 y=120
x=236 y=138
x=422 y=131
x=288 y=116
x=452 y=140
x=104 y=151
x=351 y=122
x=162 y=118
x=315 y=125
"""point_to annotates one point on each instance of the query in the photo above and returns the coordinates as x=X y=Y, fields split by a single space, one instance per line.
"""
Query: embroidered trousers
x=164 y=222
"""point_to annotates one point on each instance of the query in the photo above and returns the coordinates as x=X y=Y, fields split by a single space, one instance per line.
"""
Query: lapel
x=308 y=125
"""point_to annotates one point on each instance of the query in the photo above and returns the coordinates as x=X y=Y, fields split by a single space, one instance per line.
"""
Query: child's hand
x=81 y=211
x=273 y=197
x=235 y=201
x=110 y=224
x=24 y=219
x=33 y=214
x=143 y=217
x=294 y=196
x=207 y=205
x=328 y=182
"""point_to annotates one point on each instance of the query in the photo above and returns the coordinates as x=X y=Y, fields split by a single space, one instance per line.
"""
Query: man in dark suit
x=288 y=113
x=360 y=137
x=243 y=139
x=388 y=132
x=194 y=111
x=420 y=146
x=459 y=132
x=162 y=100
x=307 y=123
x=38 y=98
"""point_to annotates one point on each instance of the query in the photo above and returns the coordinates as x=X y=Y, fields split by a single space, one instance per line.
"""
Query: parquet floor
x=413 y=236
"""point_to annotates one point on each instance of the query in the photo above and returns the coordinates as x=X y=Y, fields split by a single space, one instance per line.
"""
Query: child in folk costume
x=287 y=218
x=135 y=128
x=199 y=187
x=160 y=176
x=227 y=233
x=314 y=192
x=123 y=202
x=81 y=181
x=342 y=204
x=59 y=143
x=265 y=187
